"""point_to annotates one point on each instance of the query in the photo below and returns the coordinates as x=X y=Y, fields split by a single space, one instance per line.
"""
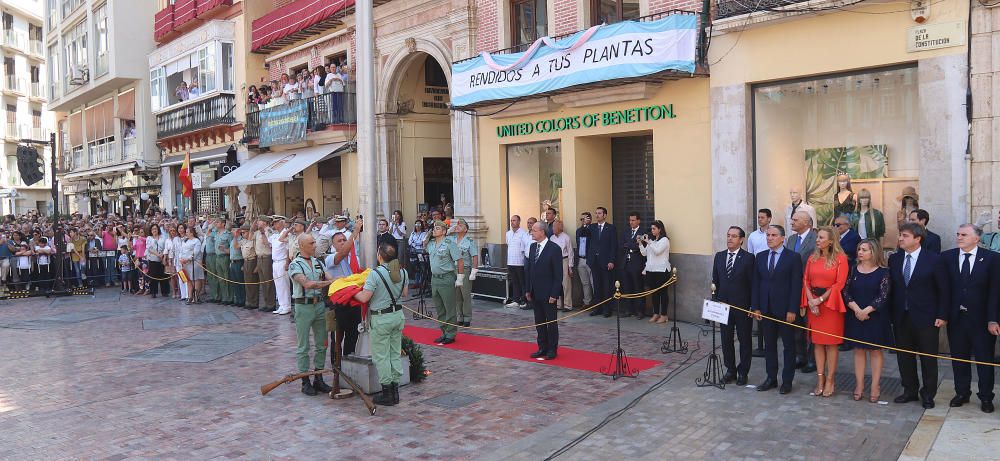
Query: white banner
x=623 y=50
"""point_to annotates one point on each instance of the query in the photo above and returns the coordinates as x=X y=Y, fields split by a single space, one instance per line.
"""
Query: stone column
x=732 y=161
x=168 y=200
x=985 y=174
x=387 y=141
x=465 y=173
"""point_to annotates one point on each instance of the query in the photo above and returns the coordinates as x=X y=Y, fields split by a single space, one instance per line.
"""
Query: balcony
x=102 y=153
x=14 y=85
x=35 y=49
x=15 y=132
x=730 y=8
x=39 y=133
x=196 y=115
x=130 y=149
x=37 y=91
x=176 y=18
x=13 y=40
x=326 y=111
x=296 y=21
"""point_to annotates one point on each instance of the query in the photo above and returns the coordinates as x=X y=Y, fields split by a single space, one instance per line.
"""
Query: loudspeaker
x=30 y=165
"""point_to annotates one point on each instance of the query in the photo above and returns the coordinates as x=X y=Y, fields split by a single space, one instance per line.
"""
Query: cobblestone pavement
x=76 y=381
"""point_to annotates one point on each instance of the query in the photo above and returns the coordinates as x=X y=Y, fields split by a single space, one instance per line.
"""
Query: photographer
x=656 y=249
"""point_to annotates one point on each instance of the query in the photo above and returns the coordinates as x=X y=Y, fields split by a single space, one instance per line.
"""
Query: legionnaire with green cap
x=210 y=249
x=223 y=242
x=445 y=276
x=308 y=293
x=470 y=259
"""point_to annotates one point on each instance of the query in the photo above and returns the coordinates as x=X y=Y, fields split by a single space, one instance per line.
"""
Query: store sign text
x=609 y=118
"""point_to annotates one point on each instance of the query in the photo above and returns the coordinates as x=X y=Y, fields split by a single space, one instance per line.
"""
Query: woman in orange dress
x=824 y=278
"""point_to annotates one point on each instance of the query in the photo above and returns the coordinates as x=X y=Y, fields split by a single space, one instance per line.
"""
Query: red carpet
x=518 y=350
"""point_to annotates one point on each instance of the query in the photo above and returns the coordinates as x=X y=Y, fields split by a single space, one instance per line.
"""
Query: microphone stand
x=674 y=343
x=713 y=367
x=618 y=367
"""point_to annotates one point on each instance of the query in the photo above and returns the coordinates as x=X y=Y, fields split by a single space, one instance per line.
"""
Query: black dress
x=868 y=290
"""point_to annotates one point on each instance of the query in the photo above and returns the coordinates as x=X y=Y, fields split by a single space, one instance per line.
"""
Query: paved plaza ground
x=125 y=377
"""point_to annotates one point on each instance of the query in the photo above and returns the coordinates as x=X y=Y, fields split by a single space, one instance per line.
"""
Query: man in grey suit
x=803 y=242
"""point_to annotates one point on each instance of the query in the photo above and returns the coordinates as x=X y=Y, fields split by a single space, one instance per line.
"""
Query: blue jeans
x=111 y=274
x=78 y=272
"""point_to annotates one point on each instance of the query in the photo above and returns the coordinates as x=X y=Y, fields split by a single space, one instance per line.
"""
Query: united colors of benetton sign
x=623 y=50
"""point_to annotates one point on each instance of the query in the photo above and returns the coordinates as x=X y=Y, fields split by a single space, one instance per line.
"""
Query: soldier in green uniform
x=236 y=268
x=223 y=242
x=308 y=292
x=210 y=249
x=383 y=288
x=470 y=259
x=444 y=255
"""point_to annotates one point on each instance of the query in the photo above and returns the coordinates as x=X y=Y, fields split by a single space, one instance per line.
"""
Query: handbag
x=817 y=292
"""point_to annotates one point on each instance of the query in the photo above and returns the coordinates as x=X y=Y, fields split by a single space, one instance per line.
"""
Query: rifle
x=265 y=389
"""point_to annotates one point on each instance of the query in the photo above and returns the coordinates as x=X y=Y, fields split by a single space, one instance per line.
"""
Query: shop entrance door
x=437 y=180
x=632 y=179
x=294 y=199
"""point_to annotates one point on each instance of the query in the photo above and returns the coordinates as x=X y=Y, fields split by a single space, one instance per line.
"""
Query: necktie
x=798 y=241
x=966 y=267
x=600 y=230
x=729 y=265
x=770 y=264
x=633 y=233
x=538 y=251
x=906 y=270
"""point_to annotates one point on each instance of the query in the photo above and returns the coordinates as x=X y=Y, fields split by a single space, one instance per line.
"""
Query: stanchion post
x=618 y=368
x=713 y=367
x=674 y=343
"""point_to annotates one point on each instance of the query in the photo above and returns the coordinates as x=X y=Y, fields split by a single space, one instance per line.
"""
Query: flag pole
x=365 y=94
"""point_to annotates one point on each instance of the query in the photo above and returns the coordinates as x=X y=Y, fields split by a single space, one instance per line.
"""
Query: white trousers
x=181 y=286
x=567 y=297
x=282 y=287
x=586 y=280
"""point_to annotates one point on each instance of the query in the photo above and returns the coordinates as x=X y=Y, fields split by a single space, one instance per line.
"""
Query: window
x=171 y=83
x=8 y=22
x=433 y=74
x=101 y=39
x=12 y=175
x=206 y=69
x=808 y=131
x=75 y=46
x=53 y=66
x=69 y=6
x=612 y=11
x=228 y=81
x=53 y=13
x=35 y=74
x=529 y=21
x=36 y=119
x=541 y=181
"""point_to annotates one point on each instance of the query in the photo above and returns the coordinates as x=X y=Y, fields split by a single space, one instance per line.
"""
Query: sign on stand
x=715 y=312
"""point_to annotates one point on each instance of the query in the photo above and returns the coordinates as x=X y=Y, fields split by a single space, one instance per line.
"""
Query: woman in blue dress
x=866 y=295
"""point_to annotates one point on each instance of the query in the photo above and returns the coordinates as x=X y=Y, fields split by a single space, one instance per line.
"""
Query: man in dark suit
x=803 y=242
x=632 y=264
x=732 y=277
x=849 y=238
x=776 y=294
x=933 y=241
x=974 y=288
x=543 y=287
x=601 y=259
x=919 y=310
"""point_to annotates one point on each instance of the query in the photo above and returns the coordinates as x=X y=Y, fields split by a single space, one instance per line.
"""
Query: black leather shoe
x=785 y=389
x=594 y=313
x=809 y=368
x=741 y=380
x=928 y=404
x=537 y=354
x=767 y=385
x=799 y=364
x=958 y=401
x=729 y=377
x=307 y=387
x=266 y=309
x=550 y=356
x=987 y=407
x=440 y=340
x=905 y=399
x=448 y=341
x=321 y=386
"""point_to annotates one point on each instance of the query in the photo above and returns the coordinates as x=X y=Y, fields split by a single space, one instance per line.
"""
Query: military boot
x=384 y=397
x=395 y=393
x=307 y=387
x=320 y=386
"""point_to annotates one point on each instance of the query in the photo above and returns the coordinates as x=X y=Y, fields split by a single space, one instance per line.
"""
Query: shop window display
x=534 y=179
x=825 y=140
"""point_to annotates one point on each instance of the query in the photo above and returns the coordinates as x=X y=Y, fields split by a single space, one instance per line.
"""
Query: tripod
x=425 y=270
x=713 y=367
x=618 y=367
x=674 y=343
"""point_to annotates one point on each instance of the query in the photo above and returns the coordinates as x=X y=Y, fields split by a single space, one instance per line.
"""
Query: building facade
x=197 y=78
x=26 y=113
x=97 y=50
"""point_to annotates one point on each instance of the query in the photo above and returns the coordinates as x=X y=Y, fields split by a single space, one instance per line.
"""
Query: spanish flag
x=185 y=176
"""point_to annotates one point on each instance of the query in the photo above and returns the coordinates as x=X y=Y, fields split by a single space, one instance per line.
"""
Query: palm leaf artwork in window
x=823 y=165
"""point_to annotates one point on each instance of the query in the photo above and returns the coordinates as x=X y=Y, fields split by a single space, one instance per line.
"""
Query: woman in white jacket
x=656 y=249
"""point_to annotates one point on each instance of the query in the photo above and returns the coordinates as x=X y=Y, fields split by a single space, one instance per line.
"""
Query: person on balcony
x=182 y=92
x=193 y=90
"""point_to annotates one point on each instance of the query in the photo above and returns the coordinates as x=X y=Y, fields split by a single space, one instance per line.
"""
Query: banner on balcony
x=284 y=124
x=607 y=52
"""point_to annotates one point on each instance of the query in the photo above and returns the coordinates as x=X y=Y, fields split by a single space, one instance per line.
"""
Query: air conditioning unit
x=78 y=75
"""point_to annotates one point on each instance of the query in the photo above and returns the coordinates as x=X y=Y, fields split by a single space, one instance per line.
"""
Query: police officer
x=210 y=248
x=444 y=255
x=223 y=242
x=308 y=283
x=470 y=259
x=249 y=252
x=236 y=268
x=384 y=287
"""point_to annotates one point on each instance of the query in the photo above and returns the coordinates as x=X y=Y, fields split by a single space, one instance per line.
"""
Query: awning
x=203 y=156
x=273 y=167
x=292 y=18
x=100 y=171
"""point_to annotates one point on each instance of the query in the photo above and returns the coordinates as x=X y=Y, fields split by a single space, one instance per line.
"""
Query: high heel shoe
x=875 y=395
x=819 y=386
x=830 y=387
x=858 y=395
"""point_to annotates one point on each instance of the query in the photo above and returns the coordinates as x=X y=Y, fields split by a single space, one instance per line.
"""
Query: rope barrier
x=235 y=282
x=925 y=354
x=616 y=296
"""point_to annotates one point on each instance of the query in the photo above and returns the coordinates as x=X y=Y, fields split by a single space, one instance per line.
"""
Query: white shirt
x=972 y=259
x=803 y=206
x=657 y=253
x=757 y=241
x=279 y=249
x=913 y=261
x=398 y=230
x=541 y=246
x=517 y=246
x=190 y=249
x=43 y=259
x=291 y=90
x=565 y=243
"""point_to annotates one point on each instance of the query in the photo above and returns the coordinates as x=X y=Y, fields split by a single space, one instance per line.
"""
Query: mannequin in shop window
x=845 y=201
x=909 y=202
x=798 y=204
x=868 y=222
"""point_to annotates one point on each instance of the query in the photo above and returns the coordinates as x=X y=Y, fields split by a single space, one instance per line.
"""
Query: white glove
x=458 y=281
x=983 y=219
x=472 y=275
